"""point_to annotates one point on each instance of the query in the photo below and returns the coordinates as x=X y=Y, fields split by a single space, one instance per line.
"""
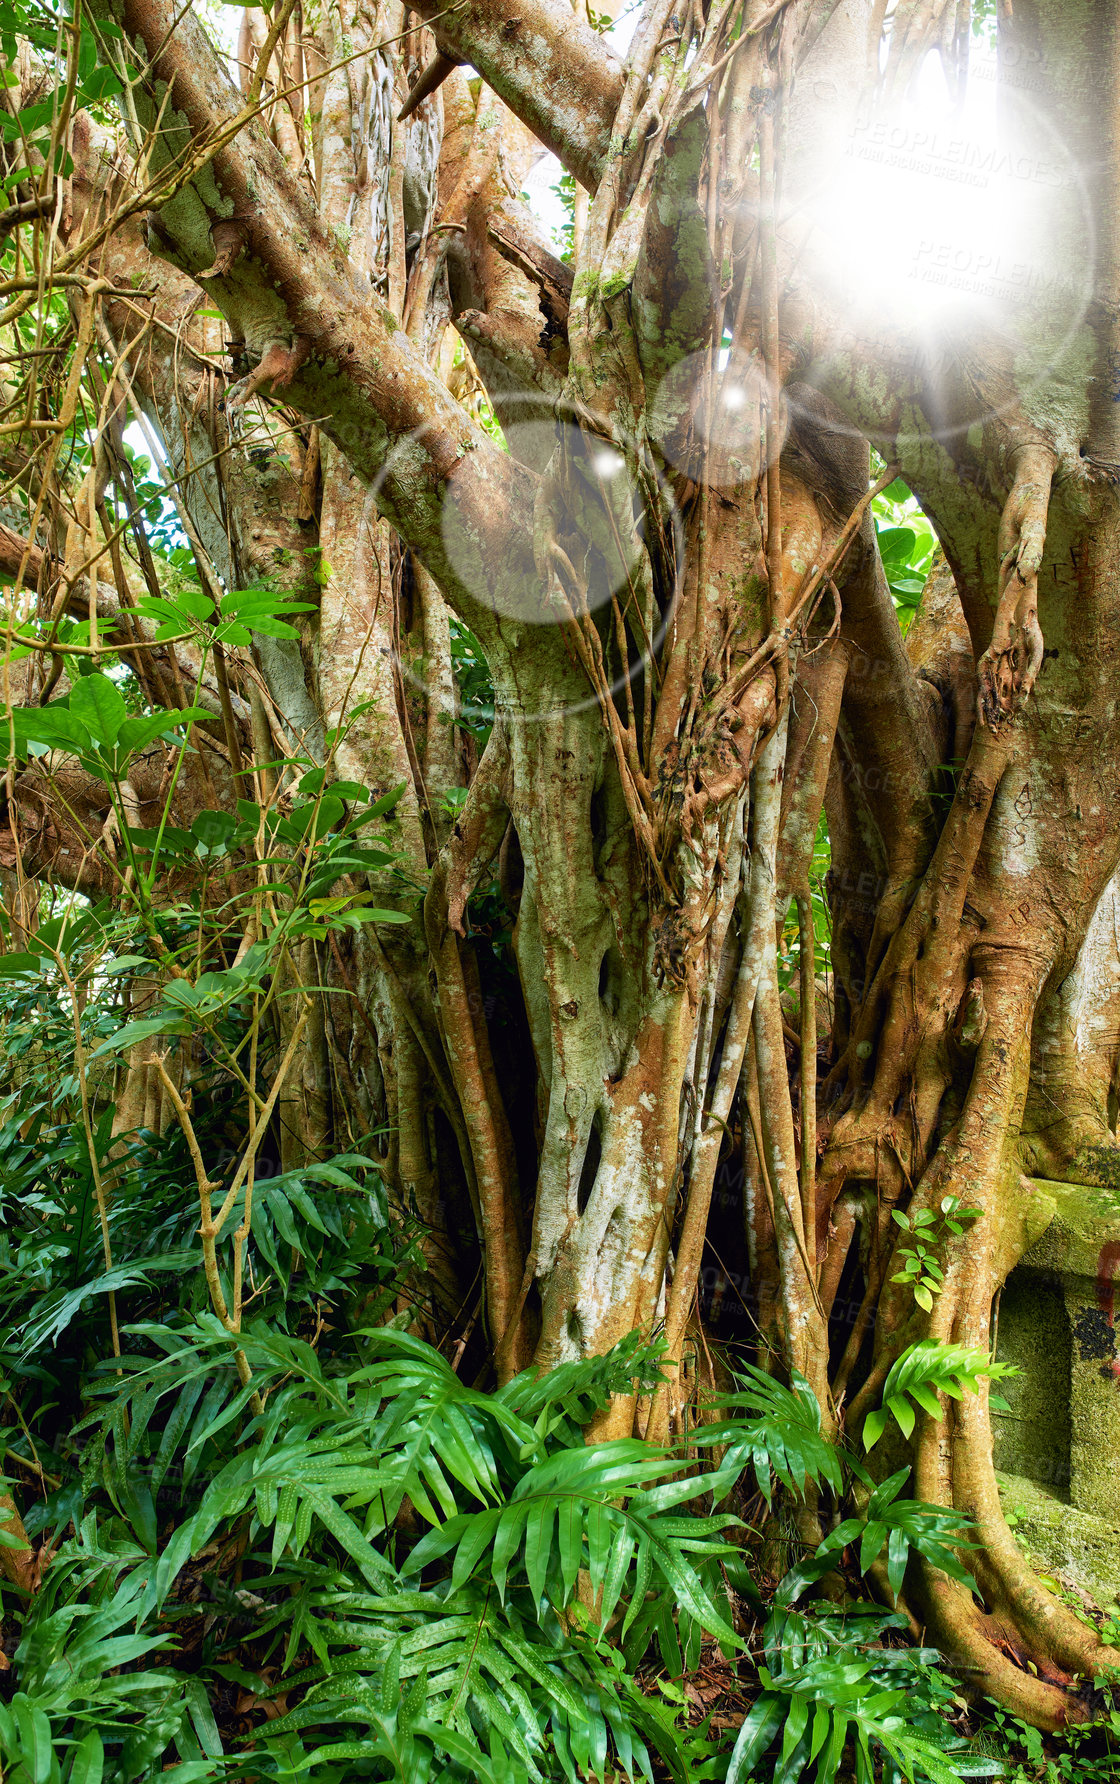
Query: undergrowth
x=306 y=1548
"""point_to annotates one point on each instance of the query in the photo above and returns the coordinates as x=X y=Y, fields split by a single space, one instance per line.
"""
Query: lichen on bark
x=670 y=562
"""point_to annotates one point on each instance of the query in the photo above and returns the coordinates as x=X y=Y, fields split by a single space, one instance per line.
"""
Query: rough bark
x=674 y=575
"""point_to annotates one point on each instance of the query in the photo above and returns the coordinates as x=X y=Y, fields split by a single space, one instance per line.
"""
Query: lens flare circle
x=949 y=223
x=708 y=420
x=593 y=509
x=593 y=513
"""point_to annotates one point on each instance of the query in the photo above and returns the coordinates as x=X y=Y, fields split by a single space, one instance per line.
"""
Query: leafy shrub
x=293 y=1543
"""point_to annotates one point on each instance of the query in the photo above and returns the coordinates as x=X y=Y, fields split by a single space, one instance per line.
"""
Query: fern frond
x=576 y=1391
x=827 y=1712
x=587 y=1508
x=922 y=1373
x=777 y=1432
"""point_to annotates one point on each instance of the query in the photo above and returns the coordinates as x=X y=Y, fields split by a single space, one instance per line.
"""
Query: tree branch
x=555 y=73
x=347 y=362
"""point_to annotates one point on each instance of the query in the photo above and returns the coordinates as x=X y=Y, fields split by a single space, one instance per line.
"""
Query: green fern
x=576 y=1391
x=777 y=1432
x=521 y=1511
x=479 y=1667
x=593 y=1509
x=836 y=1700
x=920 y=1375
x=823 y=1712
x=515 y=1639
x=900 y=1526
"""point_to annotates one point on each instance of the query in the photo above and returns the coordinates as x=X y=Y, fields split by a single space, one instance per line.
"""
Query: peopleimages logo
x=967 y=160
x=989 y=274
x=1024 y=68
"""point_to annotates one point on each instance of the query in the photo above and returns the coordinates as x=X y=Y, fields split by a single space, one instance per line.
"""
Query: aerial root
x=1009 y=667
x=1058 y=1642
x=992 y=1661
x=429 y=81
x=1014 y=1639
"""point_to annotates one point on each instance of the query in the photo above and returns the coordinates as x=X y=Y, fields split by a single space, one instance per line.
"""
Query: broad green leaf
x=214 y=829
x=87 y=1762
x=97 y=703
x=19 y=966
x=873 y=1427
x=926 y=1399
x=898 y=1549
x=903 y=1413
x=165 y=1023
x=53 y=726
x=136 y=733
x=570 y=1542
x=871 y=1543
x=766 y=1717
x=202 y=1716
x=35 y=1738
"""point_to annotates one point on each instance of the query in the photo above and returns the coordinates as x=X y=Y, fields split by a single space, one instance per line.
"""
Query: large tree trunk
x=674 y=577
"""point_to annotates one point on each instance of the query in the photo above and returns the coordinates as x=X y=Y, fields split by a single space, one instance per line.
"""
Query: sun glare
x=932 y=214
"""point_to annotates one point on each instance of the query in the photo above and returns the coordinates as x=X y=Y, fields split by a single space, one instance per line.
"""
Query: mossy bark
x=667 y=738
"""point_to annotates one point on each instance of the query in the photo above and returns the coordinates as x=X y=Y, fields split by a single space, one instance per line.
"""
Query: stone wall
x=1057 y=1447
